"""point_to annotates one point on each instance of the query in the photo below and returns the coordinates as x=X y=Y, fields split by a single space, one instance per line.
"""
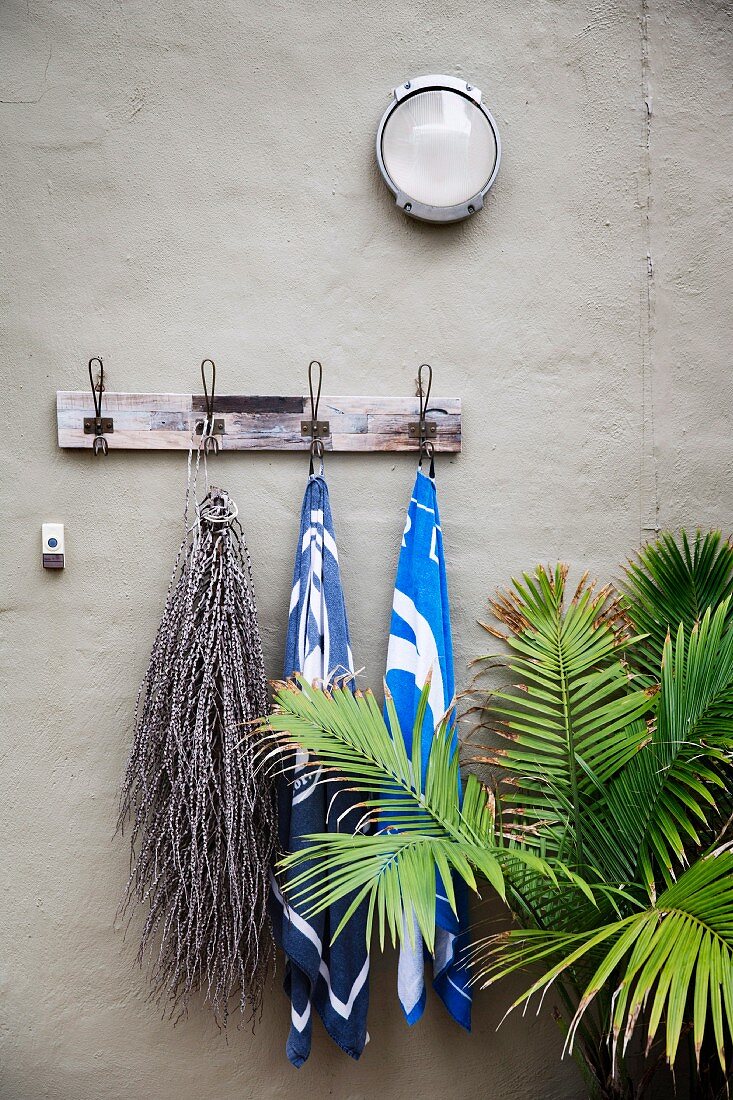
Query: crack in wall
x=32 y=102
x=648 y=480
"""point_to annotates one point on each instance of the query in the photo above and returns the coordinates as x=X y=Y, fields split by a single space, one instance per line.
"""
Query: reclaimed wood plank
x=172 y=421
x=380 y=424
x=246 y=403
x=128 y=441
x=270 y=423
x=368 y=442
x=145 y=421
x=139 y=420
x=398 y=406
x=179 y=441
x=153 y=402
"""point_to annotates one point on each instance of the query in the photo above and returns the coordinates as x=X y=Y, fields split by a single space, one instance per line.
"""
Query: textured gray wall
x=182 y=180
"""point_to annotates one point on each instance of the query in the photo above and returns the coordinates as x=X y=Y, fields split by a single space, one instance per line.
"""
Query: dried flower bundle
x=202 y=812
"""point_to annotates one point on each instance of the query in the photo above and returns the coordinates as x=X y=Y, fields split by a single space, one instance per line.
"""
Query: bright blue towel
x=420 y=643
x=332 y=978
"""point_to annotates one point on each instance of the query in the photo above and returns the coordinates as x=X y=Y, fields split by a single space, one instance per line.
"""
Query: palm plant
x=607 y=829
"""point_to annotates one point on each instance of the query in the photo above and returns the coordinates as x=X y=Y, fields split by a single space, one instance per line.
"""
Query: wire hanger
x=209 y=441
x=98 y=425
x=427 y=447
x=316 y=444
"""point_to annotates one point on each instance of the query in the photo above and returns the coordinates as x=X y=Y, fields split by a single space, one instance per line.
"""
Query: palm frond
x=655 y=808
x=424 y=825
x=677 y=951
x=576 y=717
x=673 y=582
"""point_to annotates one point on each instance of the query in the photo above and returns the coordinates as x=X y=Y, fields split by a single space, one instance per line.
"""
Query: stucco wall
x=191 y=179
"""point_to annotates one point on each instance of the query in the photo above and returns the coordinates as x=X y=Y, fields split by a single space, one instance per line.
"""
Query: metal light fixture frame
x=420 y=210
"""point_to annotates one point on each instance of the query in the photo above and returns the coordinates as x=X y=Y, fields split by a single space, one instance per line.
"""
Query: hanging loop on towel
x=97 y=425
x=425 y=430
x=315 y=428
x=210 y=428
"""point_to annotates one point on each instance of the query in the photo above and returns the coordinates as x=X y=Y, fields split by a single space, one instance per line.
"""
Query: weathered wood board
x=166 y=421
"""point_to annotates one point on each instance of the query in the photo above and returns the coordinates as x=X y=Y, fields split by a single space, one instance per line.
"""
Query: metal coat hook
x=425 y=430
x=209 y=429
x=314 y=404
x=315 y=428
x=98 y=425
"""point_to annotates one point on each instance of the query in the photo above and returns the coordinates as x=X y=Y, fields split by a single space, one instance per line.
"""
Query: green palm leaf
x=655 y=808
x=676 y=952
x=674 y=582
x=394 y=869
x=575 y=718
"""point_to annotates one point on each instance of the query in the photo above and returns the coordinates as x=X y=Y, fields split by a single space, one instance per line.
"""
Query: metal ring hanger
x=427 y=447
x=209 y=442
x=99 y=446
x=316 y=444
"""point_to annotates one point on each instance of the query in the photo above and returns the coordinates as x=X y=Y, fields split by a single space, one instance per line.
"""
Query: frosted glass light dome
x=438 y=148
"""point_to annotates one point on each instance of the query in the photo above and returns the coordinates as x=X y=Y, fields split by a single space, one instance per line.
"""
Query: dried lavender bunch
x=202 y=812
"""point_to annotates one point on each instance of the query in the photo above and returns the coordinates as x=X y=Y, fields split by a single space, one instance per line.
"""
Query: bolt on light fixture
x=438 y=148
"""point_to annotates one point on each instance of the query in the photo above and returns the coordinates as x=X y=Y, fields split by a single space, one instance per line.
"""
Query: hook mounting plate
x=429 y=429
x=317 y=429
x=90 y=425
x=217 y=430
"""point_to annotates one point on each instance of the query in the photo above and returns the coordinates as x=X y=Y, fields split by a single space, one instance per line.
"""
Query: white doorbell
x=52 y=539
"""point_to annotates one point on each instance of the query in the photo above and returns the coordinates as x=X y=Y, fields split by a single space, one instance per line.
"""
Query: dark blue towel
x=333 y=979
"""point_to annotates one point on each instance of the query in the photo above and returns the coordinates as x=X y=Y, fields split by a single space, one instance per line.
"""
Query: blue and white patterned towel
x=332 y=978
x=420 y=643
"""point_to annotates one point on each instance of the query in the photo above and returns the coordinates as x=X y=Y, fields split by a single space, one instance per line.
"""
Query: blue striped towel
x=420 y=643
x=332 y=978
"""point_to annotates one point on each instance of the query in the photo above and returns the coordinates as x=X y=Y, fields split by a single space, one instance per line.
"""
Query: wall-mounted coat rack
x=239 y=422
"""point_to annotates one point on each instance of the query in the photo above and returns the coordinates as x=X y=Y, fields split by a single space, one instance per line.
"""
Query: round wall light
x=438 y=148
